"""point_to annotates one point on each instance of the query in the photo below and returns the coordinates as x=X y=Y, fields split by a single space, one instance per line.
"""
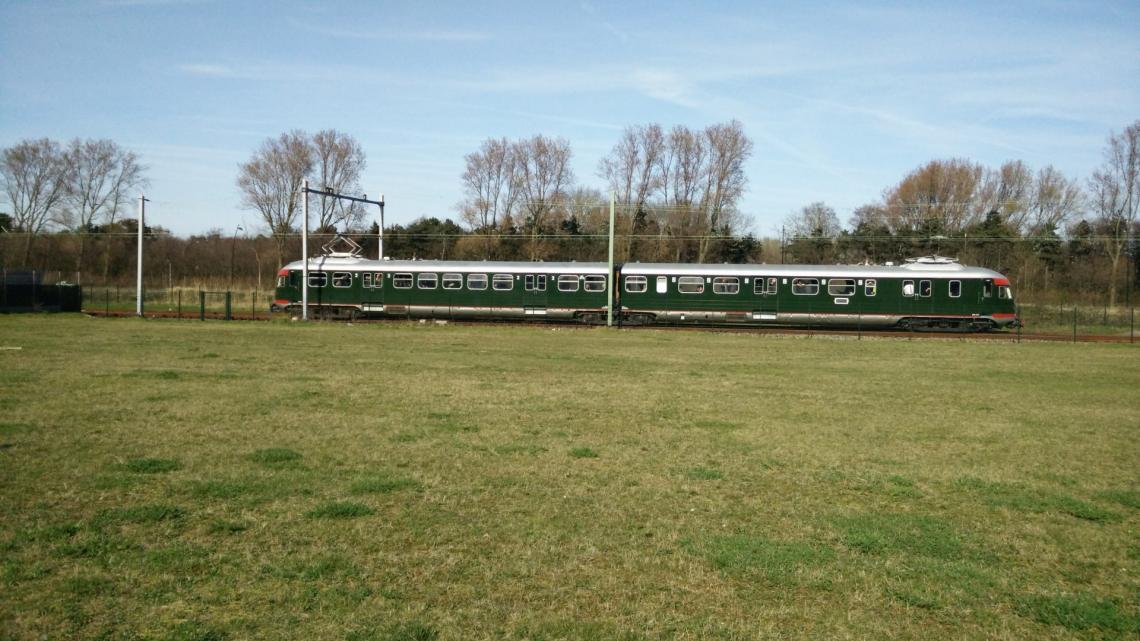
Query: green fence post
x=1074 y=323
x=201 y=305
x=180 y=304
x=229 y=316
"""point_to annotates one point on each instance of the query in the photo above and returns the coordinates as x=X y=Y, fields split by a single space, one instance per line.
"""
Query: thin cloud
x=217 y=71
x=386 y=33
x=115 y=4
x=592 y=11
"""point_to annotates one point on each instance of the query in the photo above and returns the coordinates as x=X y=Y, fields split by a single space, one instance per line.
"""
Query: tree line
x=677 y=192
x=1046 y=229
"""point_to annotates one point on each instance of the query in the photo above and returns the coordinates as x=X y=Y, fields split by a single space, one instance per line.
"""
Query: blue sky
x=841 y=98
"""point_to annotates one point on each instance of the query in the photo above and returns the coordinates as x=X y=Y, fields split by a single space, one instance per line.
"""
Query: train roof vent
x=932 y=260
x=341 y=246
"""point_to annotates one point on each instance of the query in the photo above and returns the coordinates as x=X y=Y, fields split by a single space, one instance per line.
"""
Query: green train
x=932 y=293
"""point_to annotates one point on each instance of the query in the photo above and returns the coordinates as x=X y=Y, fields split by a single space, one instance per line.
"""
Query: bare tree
x=338 y=163
x=682 y=182
x=102 y=180
x=543 y=169
x=632 y=172
x=729 y=148
x=815 y=220
x=939 y=197
x=1008 y=191
x=271 y=183
x=490 y=188
x=1055 y=201
x=35 y=182
x=1115 y=194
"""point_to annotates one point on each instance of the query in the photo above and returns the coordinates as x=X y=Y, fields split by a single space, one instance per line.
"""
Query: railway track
x=1007 y=336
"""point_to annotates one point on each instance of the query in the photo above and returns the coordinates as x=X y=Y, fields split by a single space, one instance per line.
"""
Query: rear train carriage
x=927 y=293
x=351 y=287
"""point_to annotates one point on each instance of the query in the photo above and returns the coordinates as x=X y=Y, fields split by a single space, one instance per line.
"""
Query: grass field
x=202 y=481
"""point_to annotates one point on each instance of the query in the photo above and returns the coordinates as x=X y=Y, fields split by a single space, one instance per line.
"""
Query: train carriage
x=350 y=287
x=926 y=293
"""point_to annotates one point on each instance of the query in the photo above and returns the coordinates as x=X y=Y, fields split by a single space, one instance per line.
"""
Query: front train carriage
x=925 y=293
x=349 y=287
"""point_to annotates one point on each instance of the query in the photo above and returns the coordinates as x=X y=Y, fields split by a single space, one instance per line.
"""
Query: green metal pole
x=229 y=316
x=201 y=305
x=610 y=278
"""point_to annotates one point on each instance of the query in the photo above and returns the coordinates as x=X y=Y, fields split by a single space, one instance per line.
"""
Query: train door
x=909 y=293
x=924 y=298
x=452 y=284
x=372 y=292
x=534 y=294
x=766 y=306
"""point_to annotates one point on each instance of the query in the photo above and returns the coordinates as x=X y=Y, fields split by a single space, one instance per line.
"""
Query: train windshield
x=1004 y=292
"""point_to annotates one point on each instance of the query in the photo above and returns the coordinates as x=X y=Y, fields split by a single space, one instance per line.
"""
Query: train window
x=662 y=284
x=841 y=287
x=427 y=280
x=366 y=281
x=378 y=281
x=476 y=282
x=924 y=288
x=282 y=281
x=342 y=279
x=318 y=279
x=765 y=285
x=594 y=283
x=691 y=284
x=534 y=282
x=402 y=281
x=502 y=282
x=636 y=284
x=726 y=285
x=988 y=289
x=805 y=286
x=908 y=288
x=453 y=281
x=1005 y=292
x=955 y=289
x=870 y=287
x=567 y=283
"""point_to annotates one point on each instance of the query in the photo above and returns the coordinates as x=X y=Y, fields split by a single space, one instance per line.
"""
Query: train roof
x=462 y=266
x=912 y=270
x=918 y=269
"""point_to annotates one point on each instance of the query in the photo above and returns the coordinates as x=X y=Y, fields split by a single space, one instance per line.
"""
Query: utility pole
x=233 y=247
x=380 y=241
x=327 y=193
x=139 y=283
x=610 y=275
x=305 y=250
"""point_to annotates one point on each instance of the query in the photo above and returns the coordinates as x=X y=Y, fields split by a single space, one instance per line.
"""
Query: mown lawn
x=204 y=481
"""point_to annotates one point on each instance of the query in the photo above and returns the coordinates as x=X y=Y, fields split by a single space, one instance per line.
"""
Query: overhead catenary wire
x=523 y=235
